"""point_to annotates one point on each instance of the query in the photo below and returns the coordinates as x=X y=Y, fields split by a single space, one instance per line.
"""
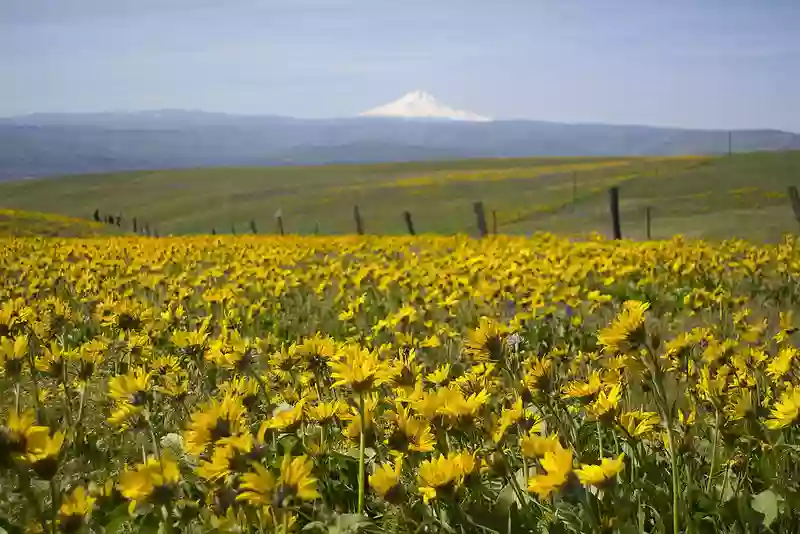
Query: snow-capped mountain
x=419 y=104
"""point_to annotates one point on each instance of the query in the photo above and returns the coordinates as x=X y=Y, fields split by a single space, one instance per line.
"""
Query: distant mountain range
x=57 y=144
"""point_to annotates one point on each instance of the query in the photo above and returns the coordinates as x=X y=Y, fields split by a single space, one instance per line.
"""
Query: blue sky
x=693 y=63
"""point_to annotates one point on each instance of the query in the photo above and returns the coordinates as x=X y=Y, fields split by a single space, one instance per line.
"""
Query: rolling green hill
x=30 y=223
x=712 y=197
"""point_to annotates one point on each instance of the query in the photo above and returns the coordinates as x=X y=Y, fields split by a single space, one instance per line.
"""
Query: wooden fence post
x=214 y=231
x=359 y=222
x=613 y=198
x=279 y=221
x=480 y=215
x=647 y=222
x=135 y=228
x=409 y=222
x=253 y=226
x=494 y=222
x=794 y=198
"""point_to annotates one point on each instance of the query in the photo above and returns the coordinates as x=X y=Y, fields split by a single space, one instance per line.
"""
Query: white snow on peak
x=420 y=104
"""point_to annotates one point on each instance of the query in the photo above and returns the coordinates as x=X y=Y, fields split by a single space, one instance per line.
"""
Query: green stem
x=713 y=451
x=512 y=479
x=32 y=364
x=724 y=483
x=27 y=489
x=77 y=429
x=262 y=388
x=361 y=446
x=54 y=506
x=67 y=393
x=662 y=404
x=153 y=438
x=593 y=515
x=167 y=519
x=673 y=458
x=599 y=441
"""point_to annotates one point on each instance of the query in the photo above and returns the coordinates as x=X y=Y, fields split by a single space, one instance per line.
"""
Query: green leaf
x=348 y=523
x=117 y=519
x=314 y=526
x=508 y=496
x=766 y=503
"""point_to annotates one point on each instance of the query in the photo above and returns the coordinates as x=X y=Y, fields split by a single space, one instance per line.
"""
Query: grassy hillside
x=743 y=195
x=27 y=223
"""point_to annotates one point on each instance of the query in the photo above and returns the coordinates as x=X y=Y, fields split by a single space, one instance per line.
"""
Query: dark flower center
x=283 y=497
x=139 y=398
x=126 y=321
x=162 y=494
x=87 y=369
x=46 y=468
x=71 y=523
x=221 y=430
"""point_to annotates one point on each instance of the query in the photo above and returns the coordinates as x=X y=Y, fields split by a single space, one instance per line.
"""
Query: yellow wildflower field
x=397 y=384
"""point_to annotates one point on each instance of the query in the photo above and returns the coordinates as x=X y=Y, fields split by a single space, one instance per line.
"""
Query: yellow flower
x=782 y=363
x=359 y=369
x=786 y=411
x=13 y=354
x=19 y=432
x=787 y=327
x=535 y=446
x=190 y=343
x=317 y=351
x=411 y=433
x=325 y=412
x=75 y=509
x=537 y=374
x=353 y=428
x=443 y=473
x=286 y=419
x=153 y=480
x=456 y=406
x=627 y=329
x=599 y=475
x=225 y=456
x=508 y=417
x=296 y=480
x=215 y=421
x=486 y=342
x=740 y=404
x=386 y=480
x=256 y=487
x=606 y=404
x=584 y=390
x=51 y=360
x=43 y=452
x=713 y=384
x=638 y=423
x=440 y=375
x=129 y=391
x=557 y=465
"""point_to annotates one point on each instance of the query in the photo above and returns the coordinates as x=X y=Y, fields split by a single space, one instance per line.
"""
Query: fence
x=481 y=226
